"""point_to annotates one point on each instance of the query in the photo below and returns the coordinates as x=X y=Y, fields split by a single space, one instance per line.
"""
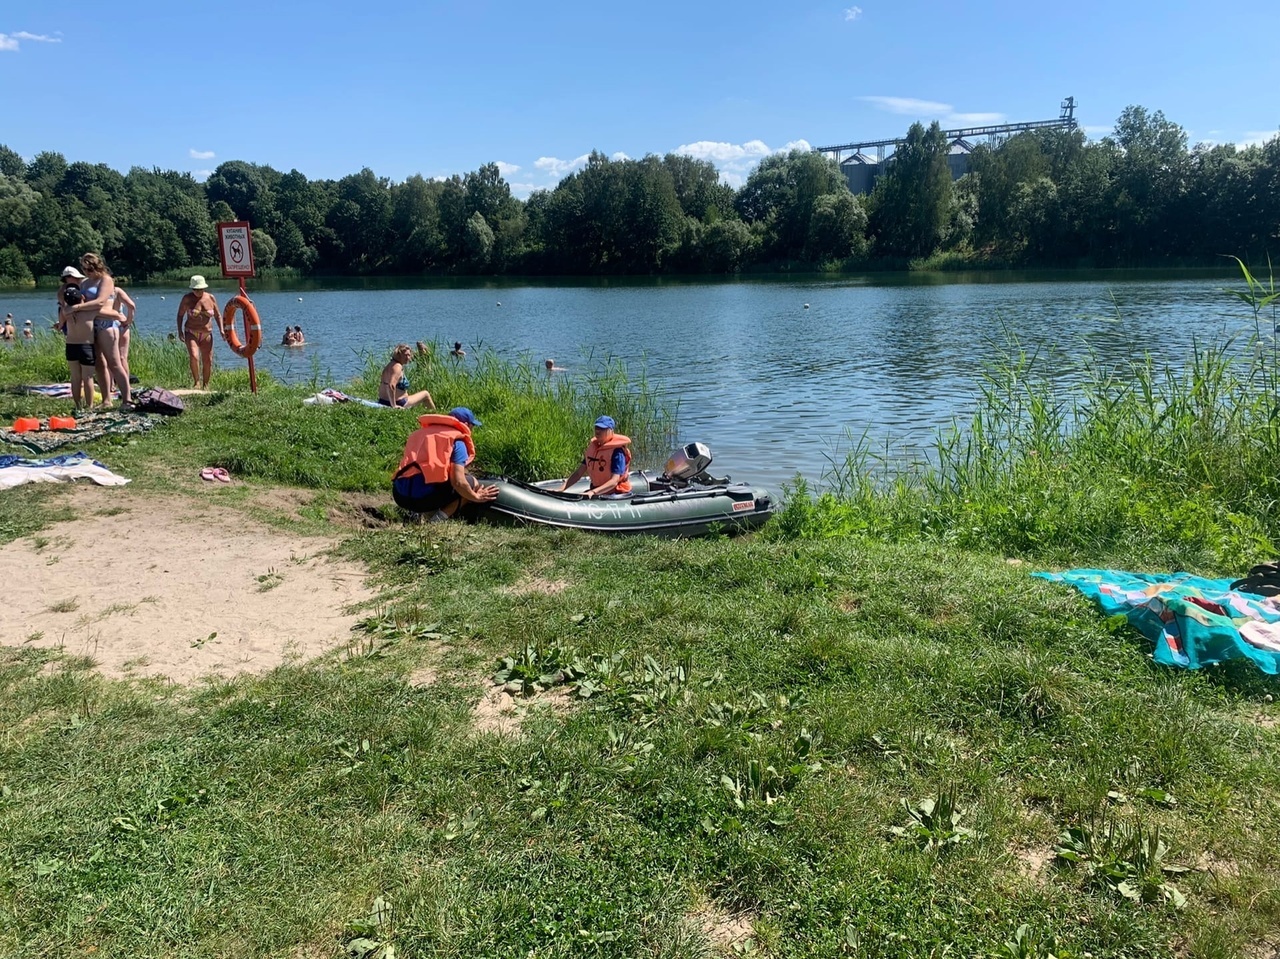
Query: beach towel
x=1192 y=621
x=89 y=426
x=326 y=397
x=55 y=391
x=15 y=471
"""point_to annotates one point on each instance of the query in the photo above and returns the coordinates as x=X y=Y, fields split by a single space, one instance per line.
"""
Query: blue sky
x=441 y=88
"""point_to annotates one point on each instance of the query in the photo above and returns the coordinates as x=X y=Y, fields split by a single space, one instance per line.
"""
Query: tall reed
x=1146 y=465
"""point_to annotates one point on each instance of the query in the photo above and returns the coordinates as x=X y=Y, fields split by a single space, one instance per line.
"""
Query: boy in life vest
x=606 y=462
x=433 y=476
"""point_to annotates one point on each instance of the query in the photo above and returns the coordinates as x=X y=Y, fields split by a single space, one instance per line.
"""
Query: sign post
x=235 y=248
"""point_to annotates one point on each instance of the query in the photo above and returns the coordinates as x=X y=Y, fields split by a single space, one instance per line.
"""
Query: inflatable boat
x=684 y=500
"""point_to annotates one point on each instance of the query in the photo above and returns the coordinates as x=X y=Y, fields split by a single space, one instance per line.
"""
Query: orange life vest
x=430 y=448
x=600 y=455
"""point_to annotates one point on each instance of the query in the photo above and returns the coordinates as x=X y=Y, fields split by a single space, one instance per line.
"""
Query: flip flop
x=221 y=475
x=207 y=473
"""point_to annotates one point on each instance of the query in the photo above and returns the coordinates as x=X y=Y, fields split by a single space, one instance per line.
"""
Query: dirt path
x=149 y=586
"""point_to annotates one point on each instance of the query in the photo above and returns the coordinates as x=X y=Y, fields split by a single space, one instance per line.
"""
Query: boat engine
x=687 y=464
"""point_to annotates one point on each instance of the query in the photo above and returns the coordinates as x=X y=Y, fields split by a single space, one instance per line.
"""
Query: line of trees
x=1138 y=196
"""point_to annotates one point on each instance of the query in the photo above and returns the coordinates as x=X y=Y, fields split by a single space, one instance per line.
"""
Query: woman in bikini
x=199 y=309
x=393 y=390
x=99 y=291
x=126 y=309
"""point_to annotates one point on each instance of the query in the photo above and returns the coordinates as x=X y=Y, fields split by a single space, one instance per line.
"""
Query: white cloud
x=10 y=42
x=853 y=13
x=1256 y=138
x=1095 y=129
x=944 y=113
x=560 y=168
x=735 y=161
x=907 y=106
x=201 y=154
x=506 y=169
x=202 y=175
x=619 y=155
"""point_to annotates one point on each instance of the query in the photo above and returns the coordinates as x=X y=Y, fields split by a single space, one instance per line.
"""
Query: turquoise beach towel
x=1193 y=621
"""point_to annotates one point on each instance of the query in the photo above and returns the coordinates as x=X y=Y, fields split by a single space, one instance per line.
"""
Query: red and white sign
x=235 y=246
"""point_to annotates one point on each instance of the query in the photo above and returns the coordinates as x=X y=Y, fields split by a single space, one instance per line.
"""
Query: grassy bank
x=866 y=733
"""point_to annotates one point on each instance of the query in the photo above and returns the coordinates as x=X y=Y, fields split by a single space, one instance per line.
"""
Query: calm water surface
x=774 y=388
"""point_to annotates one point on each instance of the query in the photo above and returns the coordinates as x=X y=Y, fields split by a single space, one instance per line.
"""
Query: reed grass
x=1171 y=468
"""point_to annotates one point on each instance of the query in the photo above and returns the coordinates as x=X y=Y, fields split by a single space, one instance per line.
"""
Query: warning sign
x=235 y=246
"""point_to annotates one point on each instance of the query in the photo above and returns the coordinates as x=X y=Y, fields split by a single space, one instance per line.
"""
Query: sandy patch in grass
x=500 y=712
x=536 y=585
x=154 y=586
x=723 y=930
x=1034 y=862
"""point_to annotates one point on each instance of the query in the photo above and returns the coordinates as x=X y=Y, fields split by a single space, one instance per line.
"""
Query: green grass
x=866 y=733
x=745 y=723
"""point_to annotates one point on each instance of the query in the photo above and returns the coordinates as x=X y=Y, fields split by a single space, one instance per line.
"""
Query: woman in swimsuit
x=394 y=388
x=199 y=309
x=127 y=309
x=99 y=291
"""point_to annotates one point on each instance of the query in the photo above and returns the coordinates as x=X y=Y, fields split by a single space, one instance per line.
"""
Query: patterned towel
x=1193 y=621
x=89 y=426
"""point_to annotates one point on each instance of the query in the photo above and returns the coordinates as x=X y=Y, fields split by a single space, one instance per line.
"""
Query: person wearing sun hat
x=7 y=332
x=432 y=477
x=605 y=463
x=28 y=331
x=199 y=309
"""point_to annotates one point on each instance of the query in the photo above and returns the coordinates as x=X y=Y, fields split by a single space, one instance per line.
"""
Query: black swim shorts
x=81 y=353
x=418 y=497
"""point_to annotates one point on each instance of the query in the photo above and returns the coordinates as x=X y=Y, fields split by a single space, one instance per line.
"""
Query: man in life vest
x=606 y=462
x=433 y=476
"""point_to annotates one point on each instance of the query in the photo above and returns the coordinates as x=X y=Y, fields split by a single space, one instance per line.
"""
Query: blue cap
x=605 y=423
x=464 y=415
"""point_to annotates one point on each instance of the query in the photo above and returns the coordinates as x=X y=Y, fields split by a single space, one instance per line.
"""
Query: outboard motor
x=687 y=464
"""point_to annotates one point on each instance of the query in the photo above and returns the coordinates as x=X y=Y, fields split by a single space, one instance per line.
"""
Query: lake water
x=774 y=388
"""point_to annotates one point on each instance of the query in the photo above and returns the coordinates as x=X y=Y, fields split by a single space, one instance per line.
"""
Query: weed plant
x=1162 y=468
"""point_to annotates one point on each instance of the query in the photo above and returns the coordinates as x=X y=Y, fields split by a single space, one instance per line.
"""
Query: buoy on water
x=806 y=306
x=499 y=302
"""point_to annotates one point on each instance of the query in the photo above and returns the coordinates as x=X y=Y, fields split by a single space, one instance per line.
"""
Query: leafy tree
x=727 y=245
x=782 y=192
x=17 y=201
x=478 y=239
x=837 y=228
x=13 y=268
x=264 y=249
x=912 y=201
x=11 y=164
x=45 y=172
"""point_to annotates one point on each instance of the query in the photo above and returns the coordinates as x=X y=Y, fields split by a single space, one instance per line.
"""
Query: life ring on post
x=252 y=326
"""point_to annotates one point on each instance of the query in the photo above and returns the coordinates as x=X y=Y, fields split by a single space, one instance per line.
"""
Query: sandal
x=207 y=473
x=221 y=475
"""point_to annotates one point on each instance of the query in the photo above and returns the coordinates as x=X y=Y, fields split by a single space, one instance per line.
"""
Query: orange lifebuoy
x=252 y=327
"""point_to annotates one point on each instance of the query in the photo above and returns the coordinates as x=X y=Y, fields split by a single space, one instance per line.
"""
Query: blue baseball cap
x=605 y=423
x=464 y=415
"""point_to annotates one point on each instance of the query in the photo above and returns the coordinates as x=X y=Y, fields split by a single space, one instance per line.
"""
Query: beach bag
x=155 y=400
x=1263 y=580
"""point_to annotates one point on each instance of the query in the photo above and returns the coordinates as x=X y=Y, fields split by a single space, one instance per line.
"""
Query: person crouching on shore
x=433 y=476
